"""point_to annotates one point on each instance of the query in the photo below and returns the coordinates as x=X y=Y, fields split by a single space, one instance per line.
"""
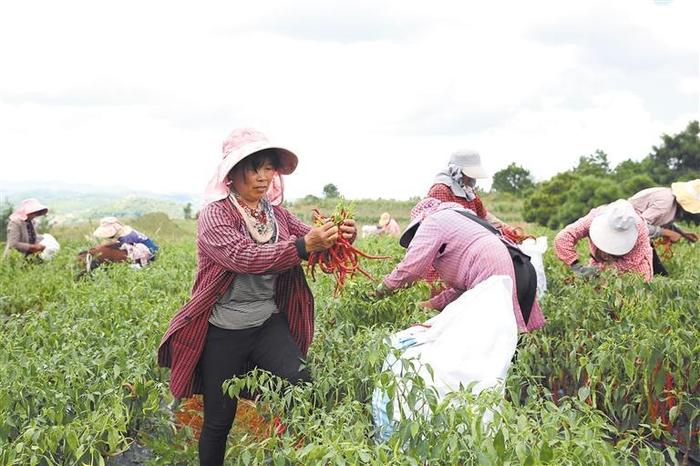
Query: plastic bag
x=536 y=249
x=472 y=340
x=51 y=247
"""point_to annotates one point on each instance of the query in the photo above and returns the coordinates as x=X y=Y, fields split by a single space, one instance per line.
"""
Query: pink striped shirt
x=224 y=250
x=639 y=259
x=471 y=255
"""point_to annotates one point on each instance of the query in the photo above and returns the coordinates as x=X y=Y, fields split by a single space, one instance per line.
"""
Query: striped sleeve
x=296 y=227
x=221 y=241
x=446 y=297
x=419 y=256
x=565 y=241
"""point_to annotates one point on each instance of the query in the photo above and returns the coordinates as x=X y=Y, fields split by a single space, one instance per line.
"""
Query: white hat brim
x=617 y=243
x=476 y=172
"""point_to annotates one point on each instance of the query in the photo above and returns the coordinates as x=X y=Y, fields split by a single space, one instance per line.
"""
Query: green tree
x=187 y=211
x=678 y=156
x=330 y=191
x=512 y=179
x=5 y=212
x=596 y=164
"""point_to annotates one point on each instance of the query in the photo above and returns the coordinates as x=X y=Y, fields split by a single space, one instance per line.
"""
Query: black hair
x=255 y=161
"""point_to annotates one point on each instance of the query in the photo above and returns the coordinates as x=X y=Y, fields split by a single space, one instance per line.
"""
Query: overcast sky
x=373 y=96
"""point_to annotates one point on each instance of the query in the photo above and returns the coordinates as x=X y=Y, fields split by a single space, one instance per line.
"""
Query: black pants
x=228 y=353
x=658 y=267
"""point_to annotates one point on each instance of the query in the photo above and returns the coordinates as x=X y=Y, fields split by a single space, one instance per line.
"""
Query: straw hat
x=110 y=227
x=384 y=219
x=614 y=230
x=688 y=195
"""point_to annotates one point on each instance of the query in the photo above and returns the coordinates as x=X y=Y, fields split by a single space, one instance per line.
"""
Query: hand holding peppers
x=332 y=250
x=321 y=237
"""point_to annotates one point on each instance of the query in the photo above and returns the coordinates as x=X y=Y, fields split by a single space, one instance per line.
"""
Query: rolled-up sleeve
x=419 y=256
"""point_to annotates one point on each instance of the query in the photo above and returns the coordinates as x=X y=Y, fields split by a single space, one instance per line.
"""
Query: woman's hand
x=36 y=248
x=381 y=291
x=321 y=238
x=348 y=229
x=690 y=236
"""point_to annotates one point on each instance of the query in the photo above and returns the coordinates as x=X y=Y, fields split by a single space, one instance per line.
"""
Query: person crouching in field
x=250 y=304
x=661 y=207
x=21 y=232
x=387 y=226
x=617 y=237
x=457 y=183
x=464 y=250
x=120 y=243
x=139 y=248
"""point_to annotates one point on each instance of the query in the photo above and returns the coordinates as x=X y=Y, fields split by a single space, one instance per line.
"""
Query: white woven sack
x=51 y=247
x=472 y=340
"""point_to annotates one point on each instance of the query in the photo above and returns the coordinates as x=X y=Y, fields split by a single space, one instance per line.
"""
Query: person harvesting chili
x=21 y=233
x=250 y=303
x=617 y=236
x=464 y=253
x=456 y=183
x=660 y=207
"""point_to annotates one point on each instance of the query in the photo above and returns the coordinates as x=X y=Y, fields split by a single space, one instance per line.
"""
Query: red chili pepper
x=342 y=259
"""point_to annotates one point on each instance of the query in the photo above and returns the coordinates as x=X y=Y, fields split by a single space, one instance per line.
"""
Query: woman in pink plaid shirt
x=617 y=238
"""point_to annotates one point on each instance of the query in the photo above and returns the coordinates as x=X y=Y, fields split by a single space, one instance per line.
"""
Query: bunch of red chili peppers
x=515 y=234
x=341 y=259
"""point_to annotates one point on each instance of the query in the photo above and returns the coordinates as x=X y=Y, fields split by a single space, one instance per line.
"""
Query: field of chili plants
x=613 y=378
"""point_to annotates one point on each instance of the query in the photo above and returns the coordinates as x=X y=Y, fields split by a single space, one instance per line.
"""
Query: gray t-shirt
x=248 y=303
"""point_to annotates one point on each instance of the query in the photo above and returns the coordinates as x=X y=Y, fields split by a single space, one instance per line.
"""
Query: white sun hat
x=614 y=230
x=470 y=163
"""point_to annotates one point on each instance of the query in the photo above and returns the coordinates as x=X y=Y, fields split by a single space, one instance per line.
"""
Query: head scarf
x=452 y=177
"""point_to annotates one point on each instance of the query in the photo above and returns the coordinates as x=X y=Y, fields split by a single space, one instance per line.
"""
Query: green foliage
x=330 y=191
x=570 y=194
x=595 y=164
x=678 y=156
x=80 y=382
x=512 y=179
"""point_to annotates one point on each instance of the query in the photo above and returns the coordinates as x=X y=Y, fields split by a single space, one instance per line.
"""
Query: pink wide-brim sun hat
x=27 y=207
x=242 y=143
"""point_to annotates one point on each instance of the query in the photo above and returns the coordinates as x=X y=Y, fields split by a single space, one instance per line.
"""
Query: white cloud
x=373 y=97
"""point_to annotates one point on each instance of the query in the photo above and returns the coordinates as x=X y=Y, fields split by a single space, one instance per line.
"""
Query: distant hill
x=77 y=203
